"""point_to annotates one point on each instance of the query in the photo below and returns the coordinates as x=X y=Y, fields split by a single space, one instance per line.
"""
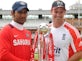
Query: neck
x=57 y=24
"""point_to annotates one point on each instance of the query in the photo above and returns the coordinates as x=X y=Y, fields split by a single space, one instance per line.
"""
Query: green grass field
x=36 y=56
x=80 y=60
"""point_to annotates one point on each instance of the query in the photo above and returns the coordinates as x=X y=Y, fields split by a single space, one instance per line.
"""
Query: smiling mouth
x=23 y=19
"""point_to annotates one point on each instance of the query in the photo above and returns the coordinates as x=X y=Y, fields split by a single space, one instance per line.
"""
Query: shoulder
x=71 y=29
x=69 y=26
x=5 y=32
x=6 y=29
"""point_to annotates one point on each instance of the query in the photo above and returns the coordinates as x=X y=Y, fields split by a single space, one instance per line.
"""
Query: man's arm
x=78 y=54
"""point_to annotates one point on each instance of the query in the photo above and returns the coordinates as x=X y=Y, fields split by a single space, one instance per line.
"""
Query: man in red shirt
x=15 y=41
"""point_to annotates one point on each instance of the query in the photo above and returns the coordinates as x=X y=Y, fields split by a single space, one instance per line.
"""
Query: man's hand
x=76 y=57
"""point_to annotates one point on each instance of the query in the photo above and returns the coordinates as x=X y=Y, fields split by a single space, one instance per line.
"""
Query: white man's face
x=58 y=13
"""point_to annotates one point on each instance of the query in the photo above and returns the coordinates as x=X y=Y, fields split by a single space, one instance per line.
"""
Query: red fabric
x=50 y=47
x=34 y=46
x=15 y=44
x=79 y=44
x=76 y=39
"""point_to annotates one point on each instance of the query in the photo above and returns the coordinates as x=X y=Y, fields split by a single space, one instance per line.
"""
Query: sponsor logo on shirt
x=15 y=35
x=63 y=36
x=57 y=51
x=17 y=42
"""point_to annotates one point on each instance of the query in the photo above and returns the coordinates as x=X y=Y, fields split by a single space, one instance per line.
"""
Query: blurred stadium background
x=35 y=17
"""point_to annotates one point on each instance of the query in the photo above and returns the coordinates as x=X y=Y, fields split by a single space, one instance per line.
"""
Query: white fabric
x=62 y=39
x=17 y=25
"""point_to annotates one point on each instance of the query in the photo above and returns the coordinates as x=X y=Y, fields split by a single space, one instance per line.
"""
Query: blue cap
x=19 y=5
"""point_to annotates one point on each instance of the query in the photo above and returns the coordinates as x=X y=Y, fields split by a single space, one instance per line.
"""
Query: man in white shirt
x=66 y=38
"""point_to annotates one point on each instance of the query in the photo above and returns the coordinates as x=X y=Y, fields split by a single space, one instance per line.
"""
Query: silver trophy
x=43 y=29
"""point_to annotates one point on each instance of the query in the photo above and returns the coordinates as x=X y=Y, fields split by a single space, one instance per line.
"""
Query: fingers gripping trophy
x=43 y=29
